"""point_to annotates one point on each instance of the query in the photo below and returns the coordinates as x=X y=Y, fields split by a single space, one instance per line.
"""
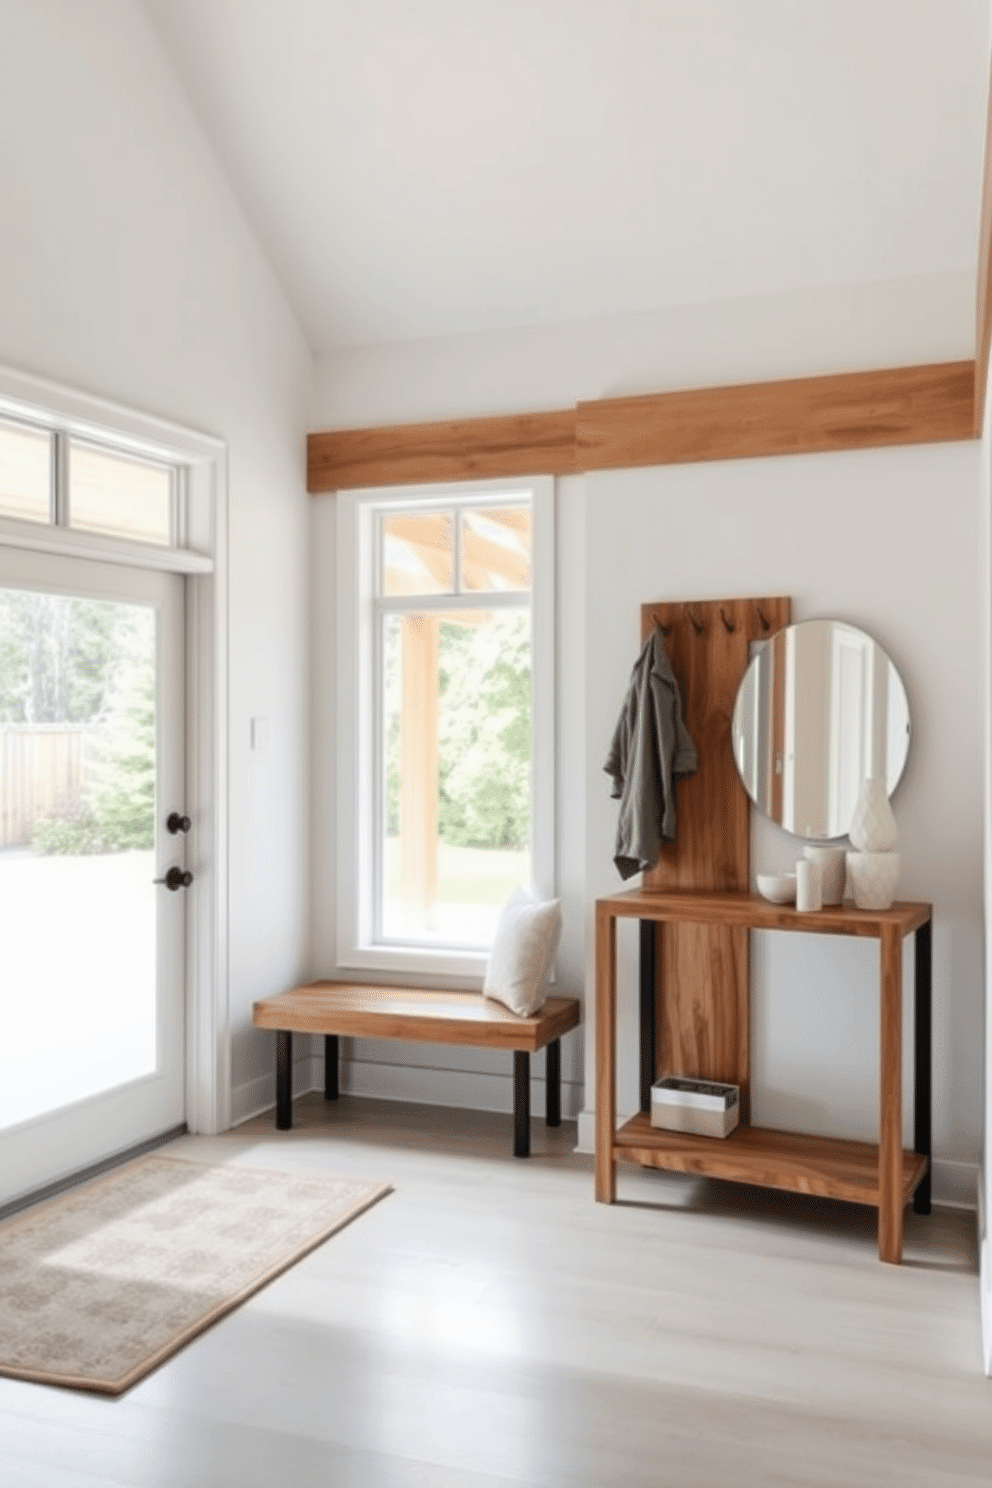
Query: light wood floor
x=488 y=1323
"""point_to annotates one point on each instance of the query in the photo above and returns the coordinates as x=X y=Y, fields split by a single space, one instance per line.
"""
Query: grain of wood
x=882 y=1175
x=797 y=1163
x=414 y=1015
x=890 y=1095
x=805 y=415
x=759 y=914
x=702 y=1016
x=606 y=1053
x=449 y=450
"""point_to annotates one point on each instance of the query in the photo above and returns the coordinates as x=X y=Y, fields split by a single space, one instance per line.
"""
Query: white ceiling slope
x=422 y=168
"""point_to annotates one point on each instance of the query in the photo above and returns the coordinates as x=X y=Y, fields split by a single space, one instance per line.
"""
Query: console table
x=878 y=1174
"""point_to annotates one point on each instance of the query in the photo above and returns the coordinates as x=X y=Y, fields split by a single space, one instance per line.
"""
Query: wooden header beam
x=847 y=411
x=806 y=415
x=458 y=449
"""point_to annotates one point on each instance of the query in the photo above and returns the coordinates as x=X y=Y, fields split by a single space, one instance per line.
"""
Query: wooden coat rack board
x=700 y=1022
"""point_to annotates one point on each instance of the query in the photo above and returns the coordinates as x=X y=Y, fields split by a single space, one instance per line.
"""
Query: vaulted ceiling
x=431 y=167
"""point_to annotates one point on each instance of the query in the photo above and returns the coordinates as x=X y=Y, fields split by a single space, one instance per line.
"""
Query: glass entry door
x=91 y=946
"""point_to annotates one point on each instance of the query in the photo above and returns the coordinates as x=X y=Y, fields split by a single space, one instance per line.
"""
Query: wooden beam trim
x=456 y=449
x=808 y=415
x=846 y=411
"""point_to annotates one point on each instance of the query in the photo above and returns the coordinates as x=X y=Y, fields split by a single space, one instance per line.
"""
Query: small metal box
x=705 y=1107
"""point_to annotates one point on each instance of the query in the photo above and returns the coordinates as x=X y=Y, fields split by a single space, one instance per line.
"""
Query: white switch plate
x=260 y=734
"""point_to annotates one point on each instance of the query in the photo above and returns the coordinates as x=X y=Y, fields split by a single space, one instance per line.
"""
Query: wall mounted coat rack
x=701 y=1027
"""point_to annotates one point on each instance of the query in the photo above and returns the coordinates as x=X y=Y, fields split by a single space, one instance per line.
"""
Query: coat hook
x=765 y=624
x=728 y=625
x=697 y=625
x=666 y=630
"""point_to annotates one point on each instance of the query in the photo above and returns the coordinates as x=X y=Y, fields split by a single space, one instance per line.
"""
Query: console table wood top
x=709 y=907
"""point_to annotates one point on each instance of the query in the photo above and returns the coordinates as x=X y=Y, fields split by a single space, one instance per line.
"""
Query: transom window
x=447 y=665
x=51 y=477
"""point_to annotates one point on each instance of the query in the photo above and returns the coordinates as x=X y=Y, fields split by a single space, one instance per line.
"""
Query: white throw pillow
x=523 y=949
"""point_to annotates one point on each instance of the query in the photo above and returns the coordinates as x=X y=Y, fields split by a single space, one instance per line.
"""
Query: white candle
x=809 y=885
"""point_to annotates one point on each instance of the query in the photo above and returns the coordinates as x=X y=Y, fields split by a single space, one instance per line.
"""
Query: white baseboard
x=466 y=1089
x=954 y=1185
x=254 y=1097
x=587 y=1131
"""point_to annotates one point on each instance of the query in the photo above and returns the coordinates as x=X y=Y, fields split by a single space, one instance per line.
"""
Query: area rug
x=101 y=1284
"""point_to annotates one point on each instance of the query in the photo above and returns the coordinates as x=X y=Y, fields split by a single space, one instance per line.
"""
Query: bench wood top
x=358 y=1010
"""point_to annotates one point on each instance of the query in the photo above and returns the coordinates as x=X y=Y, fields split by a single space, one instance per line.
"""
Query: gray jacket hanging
x=651 y=748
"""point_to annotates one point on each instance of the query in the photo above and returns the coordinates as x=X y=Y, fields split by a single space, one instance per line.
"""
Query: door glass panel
x=456 y=789
x=77 y=824
x=25 y=473
x=124 y=498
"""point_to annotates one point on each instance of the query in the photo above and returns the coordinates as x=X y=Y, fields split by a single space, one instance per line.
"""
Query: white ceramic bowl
x=872 y=878
x=780 y=888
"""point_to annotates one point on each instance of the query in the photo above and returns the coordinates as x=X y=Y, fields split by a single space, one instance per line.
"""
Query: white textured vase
x=873 y=827
x=872 y=877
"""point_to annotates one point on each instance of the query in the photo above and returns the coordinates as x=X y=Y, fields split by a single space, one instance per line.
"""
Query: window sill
x=417 y=961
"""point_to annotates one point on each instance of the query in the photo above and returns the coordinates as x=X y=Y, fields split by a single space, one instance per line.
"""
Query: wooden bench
x=356 y=1010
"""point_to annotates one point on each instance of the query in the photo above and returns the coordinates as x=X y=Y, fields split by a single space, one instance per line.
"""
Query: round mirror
x=819 y=708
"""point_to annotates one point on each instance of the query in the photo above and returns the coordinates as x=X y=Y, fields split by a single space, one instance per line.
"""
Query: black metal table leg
x=552 y=1083
x=648 y=963
x=284 y=1080
x=330 y=1066
x=521 y=1103
x=922 y=1139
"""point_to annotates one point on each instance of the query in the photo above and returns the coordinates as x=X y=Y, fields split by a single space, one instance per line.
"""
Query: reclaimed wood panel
x=414 y=1015
x=702 y=1018
x=807 y=415
x=451 y=450
x=825 y=1166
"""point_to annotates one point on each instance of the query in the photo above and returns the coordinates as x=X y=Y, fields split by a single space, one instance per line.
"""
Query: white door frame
x=204 y=560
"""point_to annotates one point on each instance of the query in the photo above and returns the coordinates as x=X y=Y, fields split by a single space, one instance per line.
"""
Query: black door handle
x=176 y=878
x=175 y=823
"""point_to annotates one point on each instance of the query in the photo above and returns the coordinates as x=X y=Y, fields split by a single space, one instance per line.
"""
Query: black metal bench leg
x=923 y=1042
x=552 y=1082
x=284 y=1080
x=521 y=1103
x=330 y=1066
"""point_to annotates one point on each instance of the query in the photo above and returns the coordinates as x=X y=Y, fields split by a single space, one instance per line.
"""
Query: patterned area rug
x=101 y=1284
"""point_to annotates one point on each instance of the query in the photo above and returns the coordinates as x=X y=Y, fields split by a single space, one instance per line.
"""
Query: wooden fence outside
x=44 y=769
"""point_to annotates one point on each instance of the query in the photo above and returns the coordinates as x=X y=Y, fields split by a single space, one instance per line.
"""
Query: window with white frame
x=446 y=717
x=52 y=477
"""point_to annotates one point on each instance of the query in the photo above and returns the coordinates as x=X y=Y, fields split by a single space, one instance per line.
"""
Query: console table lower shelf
x=827 y=1167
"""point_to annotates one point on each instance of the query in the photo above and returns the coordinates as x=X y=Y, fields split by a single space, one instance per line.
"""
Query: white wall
x=128 y=271
x=889 y=540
